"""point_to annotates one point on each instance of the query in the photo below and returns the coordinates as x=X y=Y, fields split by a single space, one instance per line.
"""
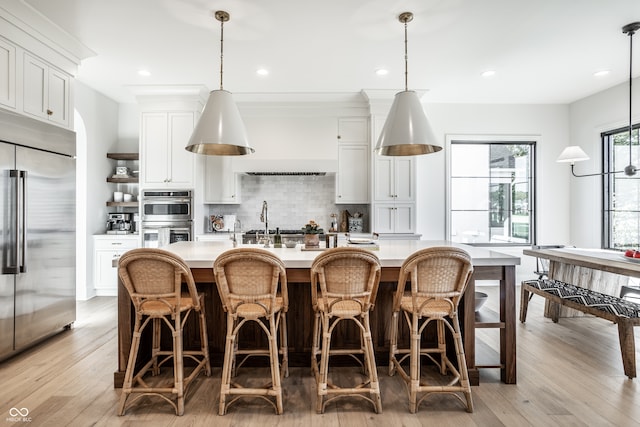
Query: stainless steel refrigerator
x=37 y=231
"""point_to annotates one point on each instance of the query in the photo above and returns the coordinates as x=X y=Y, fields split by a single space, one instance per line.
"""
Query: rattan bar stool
x=153 y=279
x=348 y=279
x=439 y=277
x=247 y=280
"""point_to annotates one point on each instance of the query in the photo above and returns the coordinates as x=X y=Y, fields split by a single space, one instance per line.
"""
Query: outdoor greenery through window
x=621 y=192
x=491 y=193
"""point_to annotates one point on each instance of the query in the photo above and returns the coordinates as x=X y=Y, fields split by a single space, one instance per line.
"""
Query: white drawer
x=115 y=242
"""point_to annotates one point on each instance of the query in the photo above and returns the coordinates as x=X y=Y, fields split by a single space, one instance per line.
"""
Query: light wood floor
x=568 y=374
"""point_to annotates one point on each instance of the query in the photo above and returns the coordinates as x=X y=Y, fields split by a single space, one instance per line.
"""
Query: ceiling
x=543 y=51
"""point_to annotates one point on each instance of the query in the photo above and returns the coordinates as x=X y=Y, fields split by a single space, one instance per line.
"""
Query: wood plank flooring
x=568 y=374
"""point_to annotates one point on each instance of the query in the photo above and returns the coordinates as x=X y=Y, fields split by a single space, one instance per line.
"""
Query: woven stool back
x=345 y=273
x=436 y=273
x=151 y=274
x=250 y=275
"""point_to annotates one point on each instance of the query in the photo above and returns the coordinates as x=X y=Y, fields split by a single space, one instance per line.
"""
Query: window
x=491 y=192
x=621 y=201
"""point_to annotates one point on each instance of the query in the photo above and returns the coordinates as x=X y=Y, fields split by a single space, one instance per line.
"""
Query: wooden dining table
x=488 y=265
x=600 y=270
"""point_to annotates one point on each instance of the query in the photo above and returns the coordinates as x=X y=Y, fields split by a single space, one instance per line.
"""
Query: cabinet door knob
x=49 y=112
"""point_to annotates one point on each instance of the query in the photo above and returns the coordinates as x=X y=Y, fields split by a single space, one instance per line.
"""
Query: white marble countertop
x=392 y=253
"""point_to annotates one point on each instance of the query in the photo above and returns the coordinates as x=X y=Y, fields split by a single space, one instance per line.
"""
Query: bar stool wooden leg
x=284 y=345
x=462 y=364
x=275 y=369
x=370 y=365
x=393 y=343
x=324 y=364
x=227 y=364
x=414 y=384
x=131 y=363
x=178 y=367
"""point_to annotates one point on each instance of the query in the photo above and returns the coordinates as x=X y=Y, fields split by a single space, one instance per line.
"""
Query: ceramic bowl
x=290 y=243
x=481 y=298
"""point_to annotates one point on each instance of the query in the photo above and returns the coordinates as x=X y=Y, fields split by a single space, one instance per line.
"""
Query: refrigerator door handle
x=22 y=207
x=11 y=266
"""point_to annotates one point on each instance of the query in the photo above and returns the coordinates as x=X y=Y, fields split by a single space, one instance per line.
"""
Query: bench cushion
x=607 y=303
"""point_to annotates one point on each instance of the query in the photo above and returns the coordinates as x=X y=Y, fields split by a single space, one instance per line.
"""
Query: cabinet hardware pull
x=49 y=112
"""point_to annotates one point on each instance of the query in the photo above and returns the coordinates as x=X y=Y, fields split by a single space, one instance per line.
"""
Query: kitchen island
x=199 y=256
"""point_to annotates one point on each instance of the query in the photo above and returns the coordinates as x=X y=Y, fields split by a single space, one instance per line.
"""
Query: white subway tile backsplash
x=292 y=202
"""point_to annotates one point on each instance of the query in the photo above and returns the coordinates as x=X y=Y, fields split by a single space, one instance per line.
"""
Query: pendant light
x=406 y=131
x=574 y=153
x=220 y=130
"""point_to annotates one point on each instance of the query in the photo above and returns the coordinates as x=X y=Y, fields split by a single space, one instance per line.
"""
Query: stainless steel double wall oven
x=167 y=217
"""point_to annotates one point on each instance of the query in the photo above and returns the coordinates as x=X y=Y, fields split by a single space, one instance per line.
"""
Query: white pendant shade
x=220 y=130
x=406 y=131
x=572 y=154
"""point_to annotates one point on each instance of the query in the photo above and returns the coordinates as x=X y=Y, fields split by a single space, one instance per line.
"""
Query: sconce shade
x=406 y=131
x=572 y=154
x=220 y=130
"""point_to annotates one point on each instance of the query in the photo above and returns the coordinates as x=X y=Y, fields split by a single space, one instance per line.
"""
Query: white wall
x=549 y=124
x=100 y=117
x=603 y=111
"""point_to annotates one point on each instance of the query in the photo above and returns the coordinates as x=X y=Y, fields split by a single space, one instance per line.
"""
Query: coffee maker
x=119 y=223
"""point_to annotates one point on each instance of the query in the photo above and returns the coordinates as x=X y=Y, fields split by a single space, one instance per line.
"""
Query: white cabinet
x=394 y=208
x=352 y=179
x=164 y=161
x=46 y=91
x=7 y=74
x=394 y=179
x=107 y=251
x=394 y=217
x=221 y=185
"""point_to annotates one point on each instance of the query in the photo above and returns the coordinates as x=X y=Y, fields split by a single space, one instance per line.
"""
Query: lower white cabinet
x=107 y=251
x=394 y=218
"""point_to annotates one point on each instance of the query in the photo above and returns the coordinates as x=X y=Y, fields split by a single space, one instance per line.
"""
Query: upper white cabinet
x=221 y=185
x=164 y=161
x=394 y=179
x=7 y=74
x=352 y=179
x=46 y=91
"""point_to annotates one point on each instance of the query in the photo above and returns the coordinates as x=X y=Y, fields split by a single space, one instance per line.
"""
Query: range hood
x=286 y=173
x=285 y=167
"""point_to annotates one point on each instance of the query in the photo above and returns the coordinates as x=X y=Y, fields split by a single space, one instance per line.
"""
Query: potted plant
x=312 y=233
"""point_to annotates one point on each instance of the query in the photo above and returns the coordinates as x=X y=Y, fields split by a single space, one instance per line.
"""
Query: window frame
x=530 y=140
x=608 y=176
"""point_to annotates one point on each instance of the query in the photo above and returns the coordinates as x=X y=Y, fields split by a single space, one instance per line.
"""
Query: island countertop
x=391 y=253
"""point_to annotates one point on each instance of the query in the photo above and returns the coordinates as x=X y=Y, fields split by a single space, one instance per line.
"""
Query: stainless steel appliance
x=166 y=205
x=166 y=217
x=37 y=231
x=119 y=223
x=161 y=233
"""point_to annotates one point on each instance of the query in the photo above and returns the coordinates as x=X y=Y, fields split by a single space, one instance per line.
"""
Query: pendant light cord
x=631 y=32
x=221 y=50
x=406 y=59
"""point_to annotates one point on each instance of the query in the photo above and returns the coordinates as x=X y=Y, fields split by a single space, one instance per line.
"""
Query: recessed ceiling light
x=382 y=71
x=262 y=72
x=488 y=73
x=144 y=73
x=601 y=73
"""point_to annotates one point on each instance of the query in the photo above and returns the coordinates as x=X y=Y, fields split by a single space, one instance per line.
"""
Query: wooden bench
x=625 y=313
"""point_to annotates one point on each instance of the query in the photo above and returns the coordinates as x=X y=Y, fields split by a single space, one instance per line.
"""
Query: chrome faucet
x=264 y=217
